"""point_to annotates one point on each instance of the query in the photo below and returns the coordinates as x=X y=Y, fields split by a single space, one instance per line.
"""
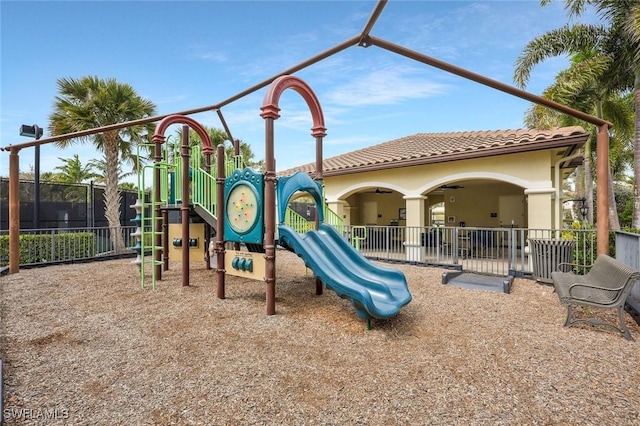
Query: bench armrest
x=596 y=287
x=574 y=267
x=607 y=295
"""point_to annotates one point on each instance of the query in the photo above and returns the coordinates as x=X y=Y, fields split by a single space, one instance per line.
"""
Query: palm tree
x=617 y=45
x=219 y=136
x=91 y=102
x=101 y=166
x=579 y=87
x=72 y=170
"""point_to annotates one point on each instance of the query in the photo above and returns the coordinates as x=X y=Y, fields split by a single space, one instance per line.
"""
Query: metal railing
x=496 y=251
x=297 y=222
x=59 y=245
x=333 y=219
x=628 y=252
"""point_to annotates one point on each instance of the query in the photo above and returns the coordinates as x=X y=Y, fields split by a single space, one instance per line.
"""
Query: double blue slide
x=374 y=291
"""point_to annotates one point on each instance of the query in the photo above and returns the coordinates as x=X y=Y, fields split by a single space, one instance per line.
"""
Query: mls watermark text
x=40 y=414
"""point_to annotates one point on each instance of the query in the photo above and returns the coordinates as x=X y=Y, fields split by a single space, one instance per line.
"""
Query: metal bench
x=606 y=285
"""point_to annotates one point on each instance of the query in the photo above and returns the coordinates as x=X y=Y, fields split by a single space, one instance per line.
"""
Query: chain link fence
x=63 y=205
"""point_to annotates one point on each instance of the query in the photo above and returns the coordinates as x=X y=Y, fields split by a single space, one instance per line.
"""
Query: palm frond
x=563 y=41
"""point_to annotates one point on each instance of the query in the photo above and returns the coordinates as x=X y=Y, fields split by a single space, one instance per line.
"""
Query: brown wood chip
x=85 y=344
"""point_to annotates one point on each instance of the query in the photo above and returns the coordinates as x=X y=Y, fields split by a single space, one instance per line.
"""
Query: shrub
x=39 y=248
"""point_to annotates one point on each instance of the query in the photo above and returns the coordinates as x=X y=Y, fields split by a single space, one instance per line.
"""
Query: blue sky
x=183 y=55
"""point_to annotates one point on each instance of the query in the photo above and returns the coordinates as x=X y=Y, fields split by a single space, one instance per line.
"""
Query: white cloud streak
x=385 y=87
x=203 y=53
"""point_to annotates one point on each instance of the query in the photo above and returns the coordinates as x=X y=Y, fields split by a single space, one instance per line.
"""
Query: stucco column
x=346 y=214
x=415 y=206
x=540 y=208
x=341 y=208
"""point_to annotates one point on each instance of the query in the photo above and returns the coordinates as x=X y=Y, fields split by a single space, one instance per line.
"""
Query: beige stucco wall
x=484 y=180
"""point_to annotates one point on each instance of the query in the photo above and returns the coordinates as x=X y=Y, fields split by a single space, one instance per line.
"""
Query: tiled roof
x=425 y=148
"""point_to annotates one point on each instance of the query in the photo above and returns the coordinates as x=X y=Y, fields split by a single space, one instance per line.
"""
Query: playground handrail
x=204 y=190
x=204 y=184
x=333 y=219
x=297 y=222
x=173 y=154
x=233 y=163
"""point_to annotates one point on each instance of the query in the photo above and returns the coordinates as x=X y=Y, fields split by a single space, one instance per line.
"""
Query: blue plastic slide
x=374 y=291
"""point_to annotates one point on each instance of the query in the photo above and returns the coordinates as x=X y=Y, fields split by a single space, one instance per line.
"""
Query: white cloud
x=170 y=99
x=203 y=53
x=385 y=87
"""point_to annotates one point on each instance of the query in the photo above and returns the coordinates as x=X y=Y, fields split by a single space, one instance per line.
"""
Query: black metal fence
x=495 y=251
x=56 y=245
x=63 y=205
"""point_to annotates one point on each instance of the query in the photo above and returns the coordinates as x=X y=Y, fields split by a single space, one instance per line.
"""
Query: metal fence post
x=387 y=240
x=53 y=245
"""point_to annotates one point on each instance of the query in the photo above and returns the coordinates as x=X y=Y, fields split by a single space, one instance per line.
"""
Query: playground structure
x=246 y=207
x=365 y=40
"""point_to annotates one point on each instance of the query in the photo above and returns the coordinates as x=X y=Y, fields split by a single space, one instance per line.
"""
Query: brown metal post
x=236 y=151
x=602 y=189
x=207 y=161
x=165 y=240
x=158 y=139
x=319 y=178
x=14 y=212
x=186 y=204
x=220 y=213
x=224 y=125
x=207 y=227
x=270 y=217
x=207 y=238
x=377 y=11
x=270 y=112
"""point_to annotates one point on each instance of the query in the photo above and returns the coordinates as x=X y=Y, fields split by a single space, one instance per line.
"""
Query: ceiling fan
x=451 y=186
x=379 y=191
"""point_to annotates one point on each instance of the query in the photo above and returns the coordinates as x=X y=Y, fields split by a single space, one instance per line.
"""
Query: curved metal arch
x=207 y=150
x=270 y=113
x=270 y=108
x=159 y=138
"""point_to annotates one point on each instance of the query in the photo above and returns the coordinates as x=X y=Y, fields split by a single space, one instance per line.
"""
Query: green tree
x=101 y=166
x=72 y=170
x=617 y=44
x=44 y=176
x=129 y=186
x=91 y=102
x=219 y=136
x=624 y=200
x=580 y=87
x=50 y=177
